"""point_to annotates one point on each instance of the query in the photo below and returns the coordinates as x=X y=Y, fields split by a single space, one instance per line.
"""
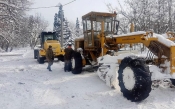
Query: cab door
x=88 y=34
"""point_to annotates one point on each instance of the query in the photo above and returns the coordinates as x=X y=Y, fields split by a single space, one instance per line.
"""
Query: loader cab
x=96 y=23
x=45 y=36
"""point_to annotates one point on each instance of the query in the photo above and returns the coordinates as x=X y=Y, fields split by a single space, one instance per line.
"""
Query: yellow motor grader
x=46 y=39
x=134 y=77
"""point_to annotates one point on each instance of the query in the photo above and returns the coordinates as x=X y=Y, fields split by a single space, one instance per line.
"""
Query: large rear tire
x=76 y=63
x=134 y=79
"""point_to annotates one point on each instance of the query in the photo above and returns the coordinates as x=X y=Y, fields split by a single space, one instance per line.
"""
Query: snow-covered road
x=25 y=84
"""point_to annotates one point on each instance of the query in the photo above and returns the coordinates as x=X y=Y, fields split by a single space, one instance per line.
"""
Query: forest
x=155 y=15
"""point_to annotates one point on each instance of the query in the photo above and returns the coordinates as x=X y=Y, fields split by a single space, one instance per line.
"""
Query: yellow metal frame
x=146 y=38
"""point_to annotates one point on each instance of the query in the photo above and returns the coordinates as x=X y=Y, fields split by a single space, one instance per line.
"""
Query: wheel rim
x=128 y=78
x=73 y=63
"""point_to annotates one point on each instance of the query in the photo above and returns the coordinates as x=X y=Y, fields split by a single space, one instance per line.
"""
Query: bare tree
x=11 y=15
x=16 y=26
x=35 y=25
x=157 y=15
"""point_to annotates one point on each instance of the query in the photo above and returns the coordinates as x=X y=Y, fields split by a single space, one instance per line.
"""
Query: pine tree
x=57 y=23
x=77 y=28
x=65 y=30
x=67 y=33
x=57 y=27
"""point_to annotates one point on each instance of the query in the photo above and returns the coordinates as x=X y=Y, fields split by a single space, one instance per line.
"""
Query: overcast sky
x=72 y=11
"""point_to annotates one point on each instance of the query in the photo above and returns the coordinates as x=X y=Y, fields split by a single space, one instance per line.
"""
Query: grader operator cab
x=96 y=26
x=46 y=39
x=134 y=76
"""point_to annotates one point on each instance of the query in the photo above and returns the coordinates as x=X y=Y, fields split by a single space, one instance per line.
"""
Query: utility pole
x=61 y=9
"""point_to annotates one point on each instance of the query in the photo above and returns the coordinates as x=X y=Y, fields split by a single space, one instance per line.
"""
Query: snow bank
x=157 y=73
x=108 y=59
x=108 y=72
x=1 y=50
x=15 y=53
x=109 y=68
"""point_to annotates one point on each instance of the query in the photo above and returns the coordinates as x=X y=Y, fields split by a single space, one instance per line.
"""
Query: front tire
x=76 y=63
x=61 y=58
x=173 y=81
x=40 y=59
x=134 y=79
x=35 y=54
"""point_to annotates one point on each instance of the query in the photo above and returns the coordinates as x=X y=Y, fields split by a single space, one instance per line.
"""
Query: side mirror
x=39 y=36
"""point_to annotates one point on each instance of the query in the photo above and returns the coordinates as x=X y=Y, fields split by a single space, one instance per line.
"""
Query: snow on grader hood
x=100 y=42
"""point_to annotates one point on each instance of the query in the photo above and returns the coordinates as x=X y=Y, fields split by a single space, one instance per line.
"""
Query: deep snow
x=25 y=84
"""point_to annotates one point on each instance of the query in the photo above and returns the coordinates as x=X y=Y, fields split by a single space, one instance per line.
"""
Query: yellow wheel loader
x=132 y=71
x=46 y=39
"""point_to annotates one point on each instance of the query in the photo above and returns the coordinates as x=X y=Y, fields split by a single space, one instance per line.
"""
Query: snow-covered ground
x=25 y=84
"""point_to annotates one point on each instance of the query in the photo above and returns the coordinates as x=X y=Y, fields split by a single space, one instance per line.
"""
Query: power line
x=43 y=7
x=52 y=6
x=69 y=2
